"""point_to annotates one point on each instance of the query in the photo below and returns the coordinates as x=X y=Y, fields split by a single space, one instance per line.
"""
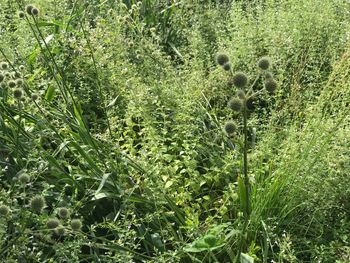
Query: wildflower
x=264 y=63
x=222 y=59
x=240 y=79
x=37 y=203
x=235 y=104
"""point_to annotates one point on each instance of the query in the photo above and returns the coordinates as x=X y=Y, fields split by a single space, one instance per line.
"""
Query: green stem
x=245 y=160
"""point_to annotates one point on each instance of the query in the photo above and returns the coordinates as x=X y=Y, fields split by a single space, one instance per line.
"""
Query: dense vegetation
x=118 y=145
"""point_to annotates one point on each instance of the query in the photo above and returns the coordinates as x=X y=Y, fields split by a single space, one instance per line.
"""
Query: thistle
x=4 y=65
x=63 y=212
x=52 y=223
x=21 y=14
x=17 y=94
x=60 y=230
x=222 y=59
x=230 y=128
x=4 y=210
x=37 y=203
x=29 y=9
x=264 y=63
x=76 y=224
x=240 y=80
x=235 y=104
x=24 y=178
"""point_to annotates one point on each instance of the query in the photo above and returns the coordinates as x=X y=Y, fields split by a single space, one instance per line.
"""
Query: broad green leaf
x=50 y=92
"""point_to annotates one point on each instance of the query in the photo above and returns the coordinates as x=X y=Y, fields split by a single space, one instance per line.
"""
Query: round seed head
x=22 y=68
x=24 y=178
x=16 y=75
x=268 y=75
x=264 y=63
x=250 y=103
x=19 y=82
x=76 y=224
x=7 y=74
x=12 y=83
x=63 y=212
x=35 y=11
x=37 y=203
x=2 y=77
x=17 y=93
x=52 y=223
x=4 y=65
x=240 y=79
x=241 y=94
x=4 y=210
x=60 y=230
x=29 y=9
x=130 y=44
x=34 y=96
x=21 y=14
x=270 y=85
x=235 y=104
x=230 y=127
x=227 y=66
x=222 y=59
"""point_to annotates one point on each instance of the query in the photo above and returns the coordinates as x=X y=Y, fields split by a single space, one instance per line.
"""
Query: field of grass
x=175 y=131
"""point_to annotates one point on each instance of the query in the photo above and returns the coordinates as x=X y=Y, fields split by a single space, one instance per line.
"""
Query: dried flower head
x=76 y=224
x=227 y=66
x=24 y=178
x=230 y=127
x=270 y=85
x=4 y=210
x=29 y=9
x=60 y=230
x=4 y=65
x=21 y=14
x=52 y=223
x=17 y=93
x=37 y=203
x=63 y=212
x=240 y=79
x=35 y=11
x=222 y=59
x=235 y=104
x=12 y=83
x=264 y=63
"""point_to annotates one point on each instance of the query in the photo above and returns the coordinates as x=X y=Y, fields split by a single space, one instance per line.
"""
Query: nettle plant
x=237 y=130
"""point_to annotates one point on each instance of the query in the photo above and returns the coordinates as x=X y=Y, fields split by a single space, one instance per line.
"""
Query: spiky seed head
x=4 y=65
x=24 y=178
x=76 y=224
x=240 y=79
x=250 y=103
x=130 y=44
x=37 y=203
x=22 y=68
x=63 y=212
x=16 y=75
x=12 y=83
x=19 y=82
x=268 y=75
x=60 y=230
x=230 y=127
x=235 y=104
x=4 y=210
x=241 y=94
x=21 y=14
x=270 y=85
x=264 y=63
x=17 y=93
x=34 y=96
x=2 y=77
x=35 y=11
x=222 y=59
x=52 y=223
x=29 y=9
x=227 y=66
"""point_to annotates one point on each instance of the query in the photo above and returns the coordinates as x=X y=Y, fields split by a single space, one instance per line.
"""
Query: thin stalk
x=245 y=160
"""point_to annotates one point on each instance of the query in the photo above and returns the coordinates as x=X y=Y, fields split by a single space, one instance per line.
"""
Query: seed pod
x=63 y=212
x=37 y=203
x=235 y=104
x=230 y=127
x=29 y=9
x=222 y=59
x=264 y=63
x=76 y=224
x=270 y=85
x=24 y=178
x=17 y=93
x=240 y=79
x=227 y=66
x=52 y=223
